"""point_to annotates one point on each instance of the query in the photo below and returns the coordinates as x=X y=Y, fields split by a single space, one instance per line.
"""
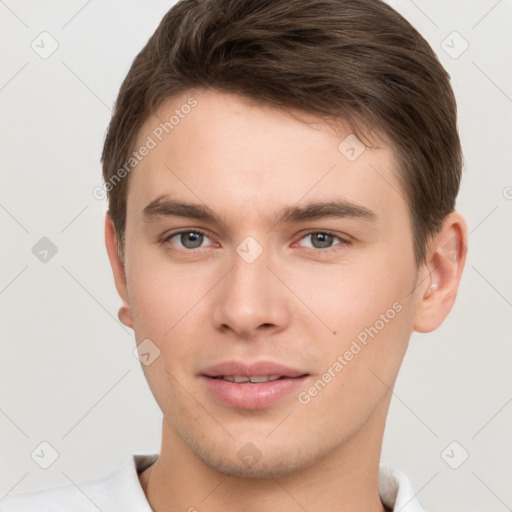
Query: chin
x=250 y=462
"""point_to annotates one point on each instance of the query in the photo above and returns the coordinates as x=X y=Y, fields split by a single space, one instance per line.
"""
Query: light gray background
x=67 y=372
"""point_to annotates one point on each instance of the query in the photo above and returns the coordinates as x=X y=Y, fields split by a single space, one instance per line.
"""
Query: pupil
x=191 y=240
x=325 y=239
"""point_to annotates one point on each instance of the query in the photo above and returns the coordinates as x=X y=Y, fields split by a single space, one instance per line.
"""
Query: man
x=282 y=177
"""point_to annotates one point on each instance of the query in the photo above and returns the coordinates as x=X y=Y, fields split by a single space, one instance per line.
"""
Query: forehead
x=227 y=151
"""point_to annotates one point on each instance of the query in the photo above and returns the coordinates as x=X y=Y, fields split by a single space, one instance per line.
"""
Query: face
x=302 y=273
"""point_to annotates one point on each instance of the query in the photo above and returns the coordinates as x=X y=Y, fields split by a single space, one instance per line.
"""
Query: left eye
x=322 y=239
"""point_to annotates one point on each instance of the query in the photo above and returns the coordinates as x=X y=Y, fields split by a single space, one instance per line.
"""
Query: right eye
x=188 y=238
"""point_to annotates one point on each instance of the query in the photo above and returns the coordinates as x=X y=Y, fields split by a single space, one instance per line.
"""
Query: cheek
x=359 y=369
x=157 y=289
x=371 y=309
x=169 y=304
x=349 y=299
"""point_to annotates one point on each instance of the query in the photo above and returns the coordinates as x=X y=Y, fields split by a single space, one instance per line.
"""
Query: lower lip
x=251 y=396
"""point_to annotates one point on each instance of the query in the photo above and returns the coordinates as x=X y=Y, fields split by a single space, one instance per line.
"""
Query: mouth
x=251 y=386
x=240 y=379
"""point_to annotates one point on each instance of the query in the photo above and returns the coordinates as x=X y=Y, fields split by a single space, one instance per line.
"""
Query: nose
x=250 y=299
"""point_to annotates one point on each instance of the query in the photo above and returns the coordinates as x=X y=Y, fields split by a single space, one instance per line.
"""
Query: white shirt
x=120 y=491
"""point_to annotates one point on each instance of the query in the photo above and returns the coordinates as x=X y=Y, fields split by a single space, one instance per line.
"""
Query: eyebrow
x=164 y=206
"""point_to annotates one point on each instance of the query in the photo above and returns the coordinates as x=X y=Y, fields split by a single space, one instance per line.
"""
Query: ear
x=125 y=314
x=441 y=273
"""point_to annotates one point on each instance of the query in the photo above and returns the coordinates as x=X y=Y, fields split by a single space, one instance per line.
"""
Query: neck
x=346 y=480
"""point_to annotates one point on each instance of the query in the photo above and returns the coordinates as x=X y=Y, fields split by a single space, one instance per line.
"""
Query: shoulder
x=119 y=490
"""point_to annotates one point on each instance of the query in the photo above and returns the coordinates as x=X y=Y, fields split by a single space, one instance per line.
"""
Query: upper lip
x=254 y=369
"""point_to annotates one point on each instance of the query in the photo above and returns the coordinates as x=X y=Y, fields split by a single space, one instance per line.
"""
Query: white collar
x=396 y=491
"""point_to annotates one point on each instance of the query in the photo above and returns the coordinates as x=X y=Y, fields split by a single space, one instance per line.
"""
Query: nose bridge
x=250 y=295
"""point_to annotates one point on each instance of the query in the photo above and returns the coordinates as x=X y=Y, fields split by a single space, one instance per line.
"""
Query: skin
x=296 y=304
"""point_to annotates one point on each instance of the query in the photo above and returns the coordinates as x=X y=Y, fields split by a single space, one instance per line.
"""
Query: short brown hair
x=356 y=60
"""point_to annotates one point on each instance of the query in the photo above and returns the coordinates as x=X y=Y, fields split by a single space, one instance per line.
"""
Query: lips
x=255 y=369
x=253 y=379
x=250 y=385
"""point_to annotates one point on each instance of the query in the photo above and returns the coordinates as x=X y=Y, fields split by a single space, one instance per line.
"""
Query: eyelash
x=310 y=232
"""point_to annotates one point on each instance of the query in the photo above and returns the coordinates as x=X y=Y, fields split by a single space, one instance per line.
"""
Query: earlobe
x=125 y=313
x=443 y=268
